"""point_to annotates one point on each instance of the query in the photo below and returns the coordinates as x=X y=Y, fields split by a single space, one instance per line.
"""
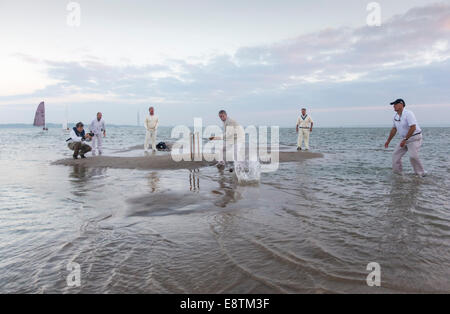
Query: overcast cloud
x=345 y=76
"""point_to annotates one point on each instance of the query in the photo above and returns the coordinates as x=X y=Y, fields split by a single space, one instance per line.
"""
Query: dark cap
x=399 y=101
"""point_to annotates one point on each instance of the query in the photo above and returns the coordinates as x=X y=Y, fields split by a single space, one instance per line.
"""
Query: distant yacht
x=39 y=117
x=65 y=124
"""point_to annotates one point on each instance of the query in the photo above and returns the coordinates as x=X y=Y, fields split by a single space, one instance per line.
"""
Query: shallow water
x=309 y=227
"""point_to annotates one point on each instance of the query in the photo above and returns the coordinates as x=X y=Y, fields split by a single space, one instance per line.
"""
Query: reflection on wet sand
x=397 y=230
x=194 y=180
x=81 y=176
x=78 y=173
x=404 y=191
x=153 y=181
x=400 y=222
x=228 y=188
x=219 y=189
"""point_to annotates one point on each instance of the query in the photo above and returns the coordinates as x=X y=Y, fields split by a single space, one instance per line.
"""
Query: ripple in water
x=308 y=227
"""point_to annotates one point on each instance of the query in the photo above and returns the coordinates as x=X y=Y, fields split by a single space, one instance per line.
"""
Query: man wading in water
x=406 y=125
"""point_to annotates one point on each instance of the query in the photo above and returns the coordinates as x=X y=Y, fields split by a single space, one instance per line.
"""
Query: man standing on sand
x=151 y=125
x=97 y=127
x=305 y=124
x=406 y=125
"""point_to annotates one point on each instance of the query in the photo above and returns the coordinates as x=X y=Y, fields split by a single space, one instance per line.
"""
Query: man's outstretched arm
x=391 y=136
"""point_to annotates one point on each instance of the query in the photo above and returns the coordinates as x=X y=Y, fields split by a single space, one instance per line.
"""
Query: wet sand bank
x=164 y=161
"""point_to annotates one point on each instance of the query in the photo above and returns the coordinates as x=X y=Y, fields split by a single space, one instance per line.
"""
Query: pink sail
x=39 y=118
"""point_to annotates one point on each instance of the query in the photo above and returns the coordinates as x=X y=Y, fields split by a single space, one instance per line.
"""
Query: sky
x=261 y=60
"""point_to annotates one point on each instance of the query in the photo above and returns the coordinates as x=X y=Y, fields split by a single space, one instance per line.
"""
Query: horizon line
x=436 y=125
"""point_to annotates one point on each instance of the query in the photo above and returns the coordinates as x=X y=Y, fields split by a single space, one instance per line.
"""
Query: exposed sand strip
x=164 y=161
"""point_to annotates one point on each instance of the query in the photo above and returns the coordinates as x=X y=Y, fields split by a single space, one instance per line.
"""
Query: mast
x=65 y=124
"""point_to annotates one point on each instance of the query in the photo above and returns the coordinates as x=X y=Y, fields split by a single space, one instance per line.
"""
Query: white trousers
x=303 y=134
x=150 y=135
x=412 y=147
x=97 y=143
x=233 y=152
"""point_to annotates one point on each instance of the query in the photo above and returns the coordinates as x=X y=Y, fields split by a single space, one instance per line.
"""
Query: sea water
x=312 y=226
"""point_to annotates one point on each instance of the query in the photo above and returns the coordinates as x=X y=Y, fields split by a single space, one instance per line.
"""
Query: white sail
x=65 y=124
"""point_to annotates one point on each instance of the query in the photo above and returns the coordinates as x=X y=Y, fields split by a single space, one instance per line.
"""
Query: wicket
x=194 y=144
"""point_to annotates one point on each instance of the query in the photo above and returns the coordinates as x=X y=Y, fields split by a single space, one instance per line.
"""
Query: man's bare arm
x=391 y=136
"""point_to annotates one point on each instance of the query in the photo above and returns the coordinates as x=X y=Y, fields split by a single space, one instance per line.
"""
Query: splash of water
x=247 y=171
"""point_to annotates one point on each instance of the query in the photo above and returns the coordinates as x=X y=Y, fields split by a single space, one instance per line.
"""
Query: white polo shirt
x=404 y=122
x=304 y=121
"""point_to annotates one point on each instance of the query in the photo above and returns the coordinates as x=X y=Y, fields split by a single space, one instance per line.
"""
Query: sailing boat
x=65 y=124
x=39 y=117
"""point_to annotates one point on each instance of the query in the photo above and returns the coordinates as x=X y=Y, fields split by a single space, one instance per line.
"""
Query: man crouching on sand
x=77 y=139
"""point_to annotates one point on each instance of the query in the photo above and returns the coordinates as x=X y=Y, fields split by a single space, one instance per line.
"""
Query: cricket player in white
x=304 y=128
x=406 y=125
x=233 y=132
x=98 y=128
x=151 y=125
